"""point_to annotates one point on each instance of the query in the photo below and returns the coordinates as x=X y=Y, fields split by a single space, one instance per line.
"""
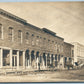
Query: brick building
x=68 y=53
x=23 y=45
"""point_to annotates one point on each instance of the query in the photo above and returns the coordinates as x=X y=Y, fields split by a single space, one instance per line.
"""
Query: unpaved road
x=48 y=76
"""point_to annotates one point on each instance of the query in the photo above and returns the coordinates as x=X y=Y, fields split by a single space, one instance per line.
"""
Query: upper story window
x=27 y=35
x=1 y=31
x=37 y=40
x=27 y=38
x=56 y=46
x=20 y=36
x=10 y=34
x=33 y=39
x=44 y=42
x=72 y=53
x=62 y=48
x=52 y=44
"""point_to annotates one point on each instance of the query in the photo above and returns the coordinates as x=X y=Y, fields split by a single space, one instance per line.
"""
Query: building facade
x=68 y=54
x=24 y=46
x=78 y=53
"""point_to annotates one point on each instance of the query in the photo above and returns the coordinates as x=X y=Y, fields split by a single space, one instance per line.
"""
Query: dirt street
x=47 y=76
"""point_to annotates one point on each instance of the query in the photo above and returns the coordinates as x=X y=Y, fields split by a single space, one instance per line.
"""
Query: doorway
x=14 y=60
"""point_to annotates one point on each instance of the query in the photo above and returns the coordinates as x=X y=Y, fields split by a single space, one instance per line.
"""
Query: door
x=14 y=60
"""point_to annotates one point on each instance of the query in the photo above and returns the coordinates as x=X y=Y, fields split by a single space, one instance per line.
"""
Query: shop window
x=6 y=58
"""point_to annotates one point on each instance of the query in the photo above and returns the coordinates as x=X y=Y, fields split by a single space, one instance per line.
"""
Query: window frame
x=11 y=34
x=20 y=36
x=1 y=31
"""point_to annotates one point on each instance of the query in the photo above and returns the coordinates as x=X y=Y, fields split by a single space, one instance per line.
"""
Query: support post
x=54 y=59
x=1 y=56
x=17 y=59
x=35 y=58
x=23 y=59
x=30 y=58
x=46 y=59
x=43 y=61
x=50 y=59
x=11 y=58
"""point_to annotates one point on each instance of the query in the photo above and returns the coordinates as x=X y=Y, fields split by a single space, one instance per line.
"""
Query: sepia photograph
x=42 y=42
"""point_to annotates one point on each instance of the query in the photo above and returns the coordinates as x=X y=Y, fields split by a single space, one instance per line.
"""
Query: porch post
x=46 y=59
x=35 y=58
x=50 y=59
x=30 y=58
x=11 y=58
x=1 y=56
x=43 y=61
x=54 y=59
x=17 y=59
x=23 y=59
x=37 y=61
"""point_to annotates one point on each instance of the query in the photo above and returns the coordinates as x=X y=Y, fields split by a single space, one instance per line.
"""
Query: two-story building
x=68 y=54
x=23 y=45
x=78 y=53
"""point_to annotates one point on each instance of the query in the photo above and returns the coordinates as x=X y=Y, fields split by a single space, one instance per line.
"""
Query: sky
x=64 y=18
x=35 y=0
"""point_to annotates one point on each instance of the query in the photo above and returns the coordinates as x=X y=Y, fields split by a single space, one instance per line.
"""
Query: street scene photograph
x=41 y=42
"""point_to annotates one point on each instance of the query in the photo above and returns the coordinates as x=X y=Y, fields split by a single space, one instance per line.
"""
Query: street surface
x=47 y=76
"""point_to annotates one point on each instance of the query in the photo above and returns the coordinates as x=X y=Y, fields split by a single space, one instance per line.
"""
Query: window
x=56 y=47
x=48 y=43
x=20 y=36
x=10 y=37
x=40 y=41
x=27 y=38
x=72 y=53
x=37 y=40
x=6 y=58
x=62 y=48
x=27 y=35
x=32 y=39
x=44 y=42
x=1 y=31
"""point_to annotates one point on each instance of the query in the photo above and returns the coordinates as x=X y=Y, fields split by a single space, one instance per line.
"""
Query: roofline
x=77 y=43
x=69 y=43
x=48 y=30
x=24 y=22
x=11 y=16
x=59 y=37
